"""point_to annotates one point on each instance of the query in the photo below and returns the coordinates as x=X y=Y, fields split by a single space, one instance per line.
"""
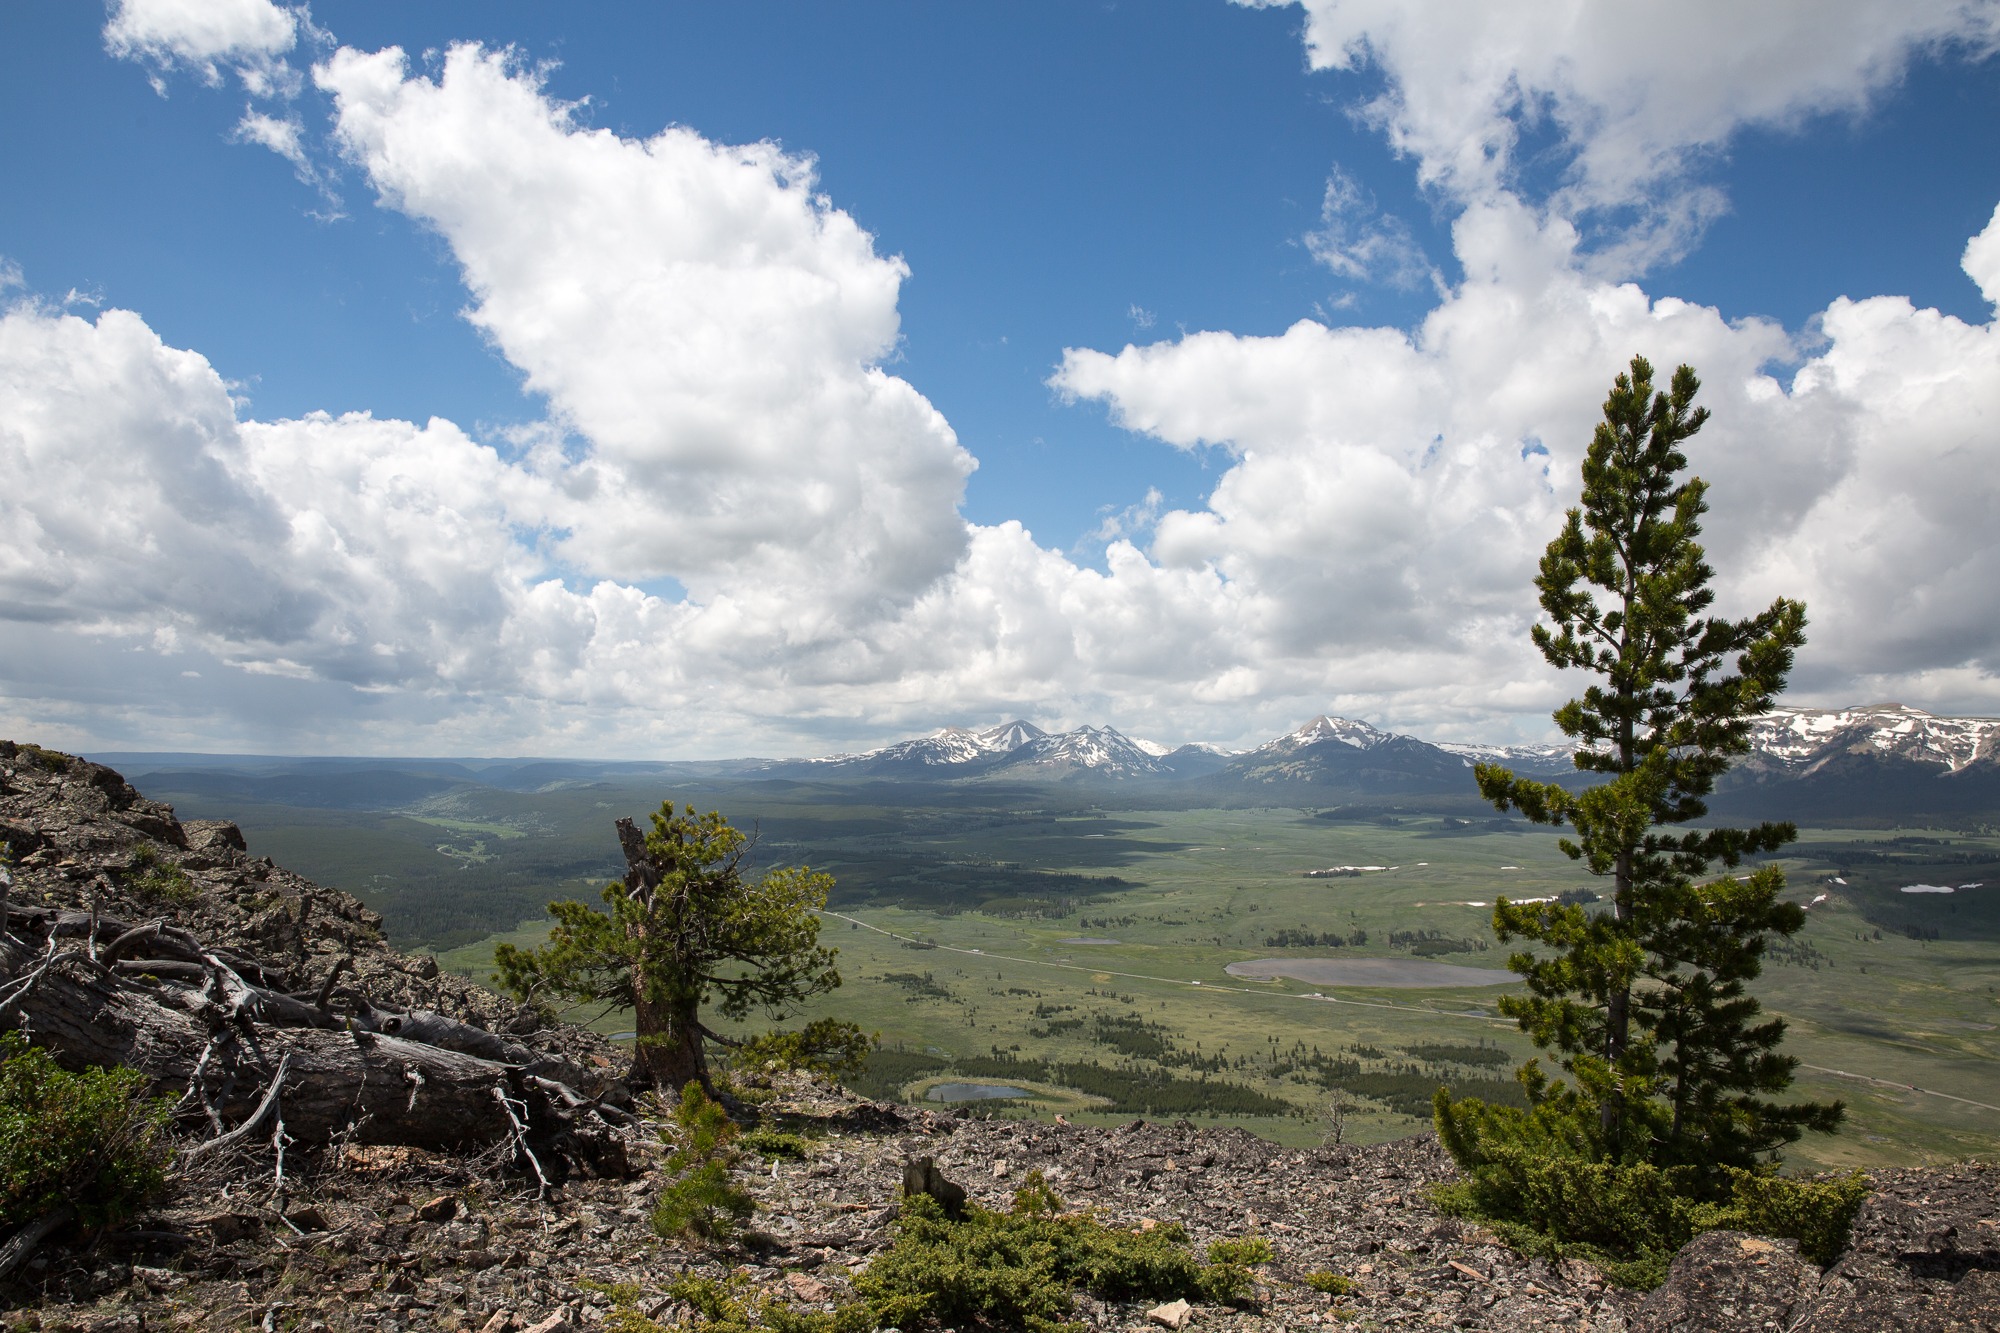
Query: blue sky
x=1343 y=516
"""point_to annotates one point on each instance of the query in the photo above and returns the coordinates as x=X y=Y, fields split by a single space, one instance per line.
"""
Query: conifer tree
x=1644 y=1004
x=685 y=929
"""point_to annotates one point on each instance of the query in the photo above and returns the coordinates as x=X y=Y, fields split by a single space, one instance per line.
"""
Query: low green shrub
x=1018 y=1269
x=1226 y=1277
x=776 y=1143
x=1014 y=1269
x=156 y=879
x=1631 y=1217
x=52 y=761
x=1330 y=1283
x=700 y=1202
x=1815 y=1213
x=92 y=1140
x=724 y=1306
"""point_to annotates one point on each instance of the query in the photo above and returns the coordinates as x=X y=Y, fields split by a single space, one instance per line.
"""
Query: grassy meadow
x=1116 y=956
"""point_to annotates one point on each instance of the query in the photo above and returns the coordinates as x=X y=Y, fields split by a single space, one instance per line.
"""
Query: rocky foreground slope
x=390 y=1237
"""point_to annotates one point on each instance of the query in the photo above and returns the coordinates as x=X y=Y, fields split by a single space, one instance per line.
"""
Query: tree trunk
x=1617 y=1022
x=670 y=1048
x=1618 y=1004
x=669 y=1042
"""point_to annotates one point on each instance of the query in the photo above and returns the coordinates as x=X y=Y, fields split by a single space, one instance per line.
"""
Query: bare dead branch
x=242 y=1131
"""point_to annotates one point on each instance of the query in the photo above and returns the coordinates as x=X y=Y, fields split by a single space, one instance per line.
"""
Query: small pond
x=974 y=1092
x=1087 y=939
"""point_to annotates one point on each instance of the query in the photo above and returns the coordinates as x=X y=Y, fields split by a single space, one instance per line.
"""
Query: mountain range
x=1883 y=762
x=1884 y=758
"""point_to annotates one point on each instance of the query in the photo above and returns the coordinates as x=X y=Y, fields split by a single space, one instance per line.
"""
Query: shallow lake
x=1388 y=973
x=1087 y=939
x=973 y=1092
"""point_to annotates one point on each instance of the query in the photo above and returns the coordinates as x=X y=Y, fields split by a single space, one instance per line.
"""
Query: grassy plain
x=1899 y=1025
x=966 y=919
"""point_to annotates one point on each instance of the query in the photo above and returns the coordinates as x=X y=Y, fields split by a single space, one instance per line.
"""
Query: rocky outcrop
x=269 y=1007
x=81 y=838
x=389 y=1239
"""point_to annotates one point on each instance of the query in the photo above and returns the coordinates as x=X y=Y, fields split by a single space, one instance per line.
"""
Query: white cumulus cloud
x=711 y=324
x=1635 y=93
x=1982 y=259
x=1390 y=493
x=205 y=36
x=711 y=335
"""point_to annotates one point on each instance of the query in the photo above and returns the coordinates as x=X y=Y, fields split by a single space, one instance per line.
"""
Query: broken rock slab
x=1726 y=1281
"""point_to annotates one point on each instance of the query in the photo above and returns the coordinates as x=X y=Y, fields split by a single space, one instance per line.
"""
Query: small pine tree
x=1645 y=1005
x=701 y=1201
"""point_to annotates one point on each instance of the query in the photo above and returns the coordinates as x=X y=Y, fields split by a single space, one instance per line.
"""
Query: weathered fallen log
x=437 y=1030
x=225 y=1057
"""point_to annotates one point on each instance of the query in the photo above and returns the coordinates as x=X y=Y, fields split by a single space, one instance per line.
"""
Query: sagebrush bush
x=92 y=1140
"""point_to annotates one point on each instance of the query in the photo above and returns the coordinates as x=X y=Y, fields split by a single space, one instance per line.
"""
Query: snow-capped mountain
x=1803 y=739
x=947 y=747
x=1010 y=736
x=1098 y=751
x=1885 y=761
x=1808 y=737
x=1345 y=731
x=1337 y=754
x=1513 y=756
x=1022 y=750
x=1854 y=760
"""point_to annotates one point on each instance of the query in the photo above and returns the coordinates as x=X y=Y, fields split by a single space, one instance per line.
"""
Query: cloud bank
x=1623 y=102
x=738 y=532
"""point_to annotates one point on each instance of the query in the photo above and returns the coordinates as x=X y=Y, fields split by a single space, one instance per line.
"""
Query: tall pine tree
x=1644 y=1003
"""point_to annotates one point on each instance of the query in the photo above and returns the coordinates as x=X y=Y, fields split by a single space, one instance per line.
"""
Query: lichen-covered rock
x=1729 y=1282
x=1924 y=1254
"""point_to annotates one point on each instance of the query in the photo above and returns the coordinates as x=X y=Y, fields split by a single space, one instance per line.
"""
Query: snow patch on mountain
x=1799 y=736
x=944 y=748
x=1508 y=754
x=1010 y=736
